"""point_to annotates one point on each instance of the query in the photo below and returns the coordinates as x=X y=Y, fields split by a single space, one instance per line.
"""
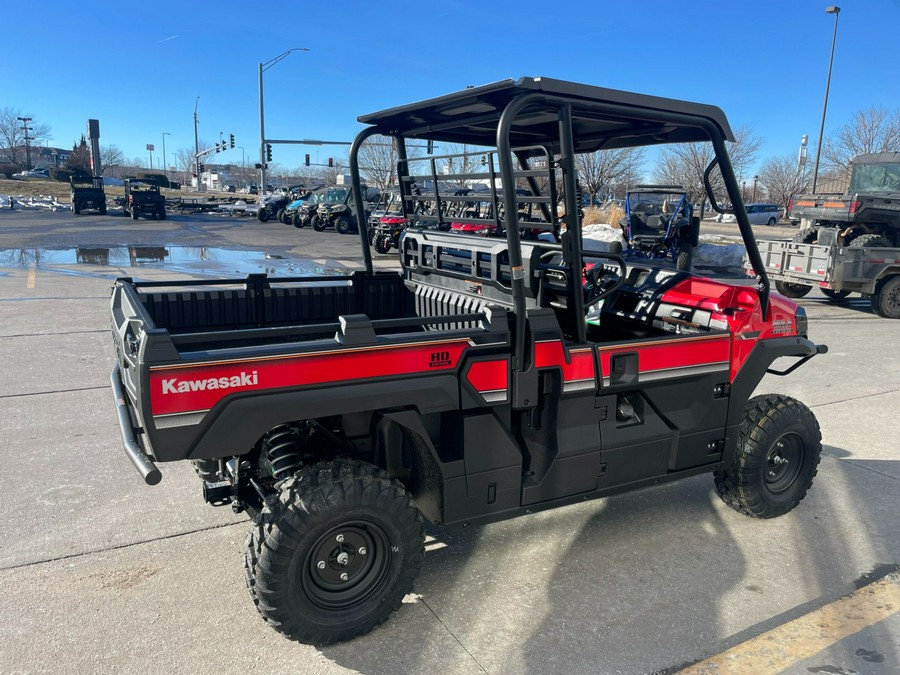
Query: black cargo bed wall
x=380 y=296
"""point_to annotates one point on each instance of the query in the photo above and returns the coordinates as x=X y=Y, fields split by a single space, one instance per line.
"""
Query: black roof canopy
x=602 y=118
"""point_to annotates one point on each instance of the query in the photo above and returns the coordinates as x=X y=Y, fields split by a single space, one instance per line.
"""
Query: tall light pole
x=165 y=161
x=243 y=165
x=262 y=125
x=26 y=128
x=197 y=148
x=836 y=11
x=755 y=181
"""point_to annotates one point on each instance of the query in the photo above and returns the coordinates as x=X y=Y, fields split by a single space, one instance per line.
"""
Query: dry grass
x=606 y=214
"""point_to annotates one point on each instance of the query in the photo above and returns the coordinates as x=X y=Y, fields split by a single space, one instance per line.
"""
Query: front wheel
x=279 y=216
x=134 y=214
x=262 y=215
x=103 y=209
x=772 y=222
x=316 y=223
x=615 y=247
x=335 y=554
x=342 y=225
x=789 y=290
x=779 y=446
x=382 y=244
x=161 y=213
x=76 y=208
x=684 y=257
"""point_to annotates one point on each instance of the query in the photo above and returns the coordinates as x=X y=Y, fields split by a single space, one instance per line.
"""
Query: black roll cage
x=606 y=119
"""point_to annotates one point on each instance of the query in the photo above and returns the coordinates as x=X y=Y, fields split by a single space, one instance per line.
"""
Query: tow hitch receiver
x=217 y=494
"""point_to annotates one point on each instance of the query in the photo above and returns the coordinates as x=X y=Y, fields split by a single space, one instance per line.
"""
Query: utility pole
x=26 y=128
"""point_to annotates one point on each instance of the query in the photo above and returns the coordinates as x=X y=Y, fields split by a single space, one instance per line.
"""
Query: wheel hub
x=783 y=463
x=346 y=564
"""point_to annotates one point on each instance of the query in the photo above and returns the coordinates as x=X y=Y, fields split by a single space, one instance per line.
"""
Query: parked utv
x=290 y=215
x=338 y=209
x=486 y=379
x=272 y=207
x=659 y=223
x=386 y=222
x=87 y=193
x=143 y=199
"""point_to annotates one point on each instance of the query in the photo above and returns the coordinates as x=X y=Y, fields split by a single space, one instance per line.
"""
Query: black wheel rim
x=346 y=565
x=784 y=462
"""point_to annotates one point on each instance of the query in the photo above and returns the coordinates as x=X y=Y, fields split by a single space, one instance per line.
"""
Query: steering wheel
x=602 y=279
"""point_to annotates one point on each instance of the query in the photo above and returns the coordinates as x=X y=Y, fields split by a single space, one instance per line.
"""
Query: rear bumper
x=145 y=466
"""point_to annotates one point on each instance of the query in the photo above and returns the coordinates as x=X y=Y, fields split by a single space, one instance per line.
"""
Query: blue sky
x=763 y=63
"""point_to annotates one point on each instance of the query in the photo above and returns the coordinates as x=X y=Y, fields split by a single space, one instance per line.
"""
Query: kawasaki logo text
x=174 y=386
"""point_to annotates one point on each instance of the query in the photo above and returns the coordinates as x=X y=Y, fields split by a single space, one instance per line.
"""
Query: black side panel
x=493 y=468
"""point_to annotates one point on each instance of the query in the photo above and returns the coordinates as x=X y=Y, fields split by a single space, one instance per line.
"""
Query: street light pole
x=243 y=166
x=755 y=181
x=165 y=161
x=262 y=125
x=25 y=121
x=197 y=147
x=836 y=11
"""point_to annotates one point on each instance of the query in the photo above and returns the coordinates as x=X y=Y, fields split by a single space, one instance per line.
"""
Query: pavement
x=103 y=574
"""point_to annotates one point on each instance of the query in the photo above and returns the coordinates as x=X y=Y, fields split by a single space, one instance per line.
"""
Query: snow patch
x=30 y=201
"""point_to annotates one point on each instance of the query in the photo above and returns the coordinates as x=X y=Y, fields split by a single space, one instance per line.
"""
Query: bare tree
x=110 y=156
x=329 y=174
x=378 y=159
x=685 y=163
x=600 y=169
x=461 y=161
x=781 y=179
x=870 y=130
x=12 y=135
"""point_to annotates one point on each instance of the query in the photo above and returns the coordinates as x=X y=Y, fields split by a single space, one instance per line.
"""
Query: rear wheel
x=103 y=209
x=790 y=290
x=279 y=216
x=615 y=247
x=886 y=299
x=134 y=214
x=161 y=212
x=779 y=446
x=334 y=555
x=684 y=256
x=76 y=208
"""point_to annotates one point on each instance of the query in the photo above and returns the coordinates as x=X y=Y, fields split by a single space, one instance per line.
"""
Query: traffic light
x=331 y=161
x=307 y=159
x=430 y=148
x=231 y=140
x=218 y=149
x=483 y=160
x=201 y=167
x=268 y=152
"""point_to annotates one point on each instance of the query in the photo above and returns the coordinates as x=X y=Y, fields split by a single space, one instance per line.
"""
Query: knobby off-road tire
x=614 y=247
x=76 y=208
x=316 y=223
x=262 y=215
x=135 y=214
x=789 y=290
x=684 y=257
x=161 y=212
x=296 y=220
x=382 y=245
x=886 y=299
x=779 y=446
x=342 y=225
x=103 y=209
x=332 y=519
x=806 y=236
x=870 y=241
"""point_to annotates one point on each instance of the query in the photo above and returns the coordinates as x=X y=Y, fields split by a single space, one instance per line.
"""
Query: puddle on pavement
x=198 y=260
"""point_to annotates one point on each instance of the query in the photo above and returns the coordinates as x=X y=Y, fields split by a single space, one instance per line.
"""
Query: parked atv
x=659 y=223
x=289 y=215
x=273 y=207
x=87 y=193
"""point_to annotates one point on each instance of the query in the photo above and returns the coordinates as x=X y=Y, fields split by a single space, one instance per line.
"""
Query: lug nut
x=344 y=576
x=321 y=564
x=362 y=550
x=340 y=537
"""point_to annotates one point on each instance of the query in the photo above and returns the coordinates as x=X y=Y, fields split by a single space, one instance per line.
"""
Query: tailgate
x=787 y=260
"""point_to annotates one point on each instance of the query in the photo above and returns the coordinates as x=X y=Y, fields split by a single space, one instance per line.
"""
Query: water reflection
x=189 y=259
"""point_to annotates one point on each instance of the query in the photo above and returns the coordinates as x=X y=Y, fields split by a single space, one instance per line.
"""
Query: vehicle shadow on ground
x=640 y=582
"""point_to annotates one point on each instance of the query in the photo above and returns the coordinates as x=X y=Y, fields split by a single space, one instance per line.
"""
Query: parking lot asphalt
x=101 y=573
